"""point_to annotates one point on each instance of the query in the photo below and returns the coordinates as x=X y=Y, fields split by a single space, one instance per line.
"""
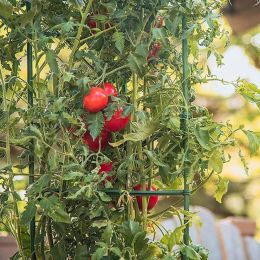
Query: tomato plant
x=75 y=218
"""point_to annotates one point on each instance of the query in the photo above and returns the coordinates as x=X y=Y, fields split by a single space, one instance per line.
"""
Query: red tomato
x=106 y=168
x=96 y=100
x=117 y=122
x=153 y=199
x=159 y=22
x=92 y=24
x=110 y=89
x=93 y=145
x=153 y=53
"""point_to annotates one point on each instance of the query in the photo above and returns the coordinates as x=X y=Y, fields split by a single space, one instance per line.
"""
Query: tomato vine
x=133 y=140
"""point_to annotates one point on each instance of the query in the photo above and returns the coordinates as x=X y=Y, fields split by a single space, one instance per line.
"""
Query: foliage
x=76 y=218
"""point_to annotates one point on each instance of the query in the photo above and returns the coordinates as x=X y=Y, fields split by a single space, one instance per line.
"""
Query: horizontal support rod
x=148 y=193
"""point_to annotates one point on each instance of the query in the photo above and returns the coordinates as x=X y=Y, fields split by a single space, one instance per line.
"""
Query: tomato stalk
x=140 y=154
x=79 y=33
x=17 y=235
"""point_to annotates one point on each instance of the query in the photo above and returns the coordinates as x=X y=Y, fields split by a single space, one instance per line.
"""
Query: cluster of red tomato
x=96 y=100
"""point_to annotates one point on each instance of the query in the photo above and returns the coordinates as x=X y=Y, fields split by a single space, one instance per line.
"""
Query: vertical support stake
x=31 y=155
x=184 y=125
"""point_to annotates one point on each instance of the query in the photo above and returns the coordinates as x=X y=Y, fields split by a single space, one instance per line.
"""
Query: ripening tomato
x=92 y=23
x=110 y=89
x=101 y=140
x=153 y=53
x=117 y=121
x=158 y=22
x=96 y=100
x=105 y=168
x=153 y=199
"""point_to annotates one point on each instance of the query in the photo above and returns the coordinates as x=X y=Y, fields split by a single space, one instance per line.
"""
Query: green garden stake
x=31 y=156
x=184 y=125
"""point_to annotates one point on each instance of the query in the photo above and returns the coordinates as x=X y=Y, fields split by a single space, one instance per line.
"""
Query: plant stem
x=11 y=176
x=79 y=33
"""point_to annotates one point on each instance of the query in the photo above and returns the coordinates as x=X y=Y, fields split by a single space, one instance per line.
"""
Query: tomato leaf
x=190 y=253
x=6 y=9
x=29 y=213
x=253 y=141
x=118 y=38
x=55 y=209
x=95 y=122
x=52 y=62
x=215 y=161
x=222 y=188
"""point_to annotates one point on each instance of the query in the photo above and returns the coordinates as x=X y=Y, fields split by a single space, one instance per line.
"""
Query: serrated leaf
x=40 y=184
x=190 y=253
x=202 y=136
x=138 y=59
x=104 y=197
x=107 y=234
x=55 y=209
x=154 y=158
x=215 y=161
x=72 y=175
x=222 y=188
x=95 y=124
x=172 y=26
x=52 y=62
x=29 y=213
x=69 y=118
x=99 y=253
x=6 y=9
x=253 y=141
x=119 y=39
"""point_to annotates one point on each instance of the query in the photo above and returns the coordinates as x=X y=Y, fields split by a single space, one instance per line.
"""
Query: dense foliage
x=80 y=44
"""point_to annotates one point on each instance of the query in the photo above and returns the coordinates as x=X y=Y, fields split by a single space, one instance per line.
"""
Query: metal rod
x=31 y=155
x=184 y=125
x=146 y=193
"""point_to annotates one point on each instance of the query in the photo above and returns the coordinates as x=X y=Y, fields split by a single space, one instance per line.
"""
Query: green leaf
x=72 y=175
x=104 y=197
x=95 y=122
x=40 y=184
x=6 y=9
x=28 y=214
x=55 y=209
x=70 y=119
x=137 y=60
x=52 y=62
x=222 y=188
x=173 y=238
x=116 y=251
x=202 y=136
x=172 y=26
x=107 y=234
x=98 y=255
x=154 y=158
x=118 y=38
x=215 y=161
x=254 y=141
x=190 y=253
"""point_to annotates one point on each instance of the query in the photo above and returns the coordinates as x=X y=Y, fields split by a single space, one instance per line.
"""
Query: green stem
x=79 y=33
x=11 y=176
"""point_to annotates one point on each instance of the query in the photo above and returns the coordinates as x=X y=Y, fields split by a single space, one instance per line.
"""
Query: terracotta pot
x=8 y=246
x=247 y=227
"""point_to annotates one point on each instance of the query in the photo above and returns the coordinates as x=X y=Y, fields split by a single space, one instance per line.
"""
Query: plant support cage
x=184 y=118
